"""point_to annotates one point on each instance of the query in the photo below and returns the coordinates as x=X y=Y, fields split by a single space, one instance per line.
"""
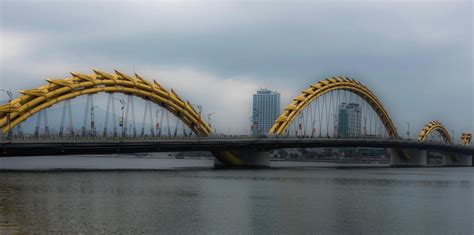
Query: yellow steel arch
x=466 y=139
x=435 y=126
x=322 y=87
x=57 y=90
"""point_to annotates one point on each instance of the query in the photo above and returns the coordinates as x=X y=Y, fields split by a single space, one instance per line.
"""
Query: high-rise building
x=266 y=109
x=349 y=120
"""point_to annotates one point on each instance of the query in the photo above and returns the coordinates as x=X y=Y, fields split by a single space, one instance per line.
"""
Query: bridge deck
x=28 y=147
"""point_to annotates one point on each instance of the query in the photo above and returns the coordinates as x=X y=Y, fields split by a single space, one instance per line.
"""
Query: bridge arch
x=57 y=90
x=466 y=139
x=435 y=126
x=325 y=86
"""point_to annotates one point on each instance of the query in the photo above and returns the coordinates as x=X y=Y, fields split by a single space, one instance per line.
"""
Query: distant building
x=349 y=120
x=266 y=109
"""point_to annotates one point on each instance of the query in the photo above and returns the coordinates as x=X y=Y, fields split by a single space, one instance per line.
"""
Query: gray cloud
x=416 y=55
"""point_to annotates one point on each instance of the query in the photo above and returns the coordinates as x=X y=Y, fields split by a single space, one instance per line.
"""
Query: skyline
x=218 y=55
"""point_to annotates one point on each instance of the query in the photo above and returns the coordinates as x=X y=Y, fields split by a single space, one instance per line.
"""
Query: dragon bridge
x=57 y=90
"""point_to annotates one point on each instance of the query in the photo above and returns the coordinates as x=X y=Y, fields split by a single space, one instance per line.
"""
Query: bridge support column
x=417 y=158
x=462 y=160
x=242 y=158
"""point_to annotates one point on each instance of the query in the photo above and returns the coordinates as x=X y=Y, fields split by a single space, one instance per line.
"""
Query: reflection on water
x=282 y=200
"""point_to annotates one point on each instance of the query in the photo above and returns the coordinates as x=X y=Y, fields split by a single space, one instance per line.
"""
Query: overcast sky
x=416 y=56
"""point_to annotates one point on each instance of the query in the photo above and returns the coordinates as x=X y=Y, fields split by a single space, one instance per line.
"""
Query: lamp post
x=158 y=124
x=122 y=102
x=93 y=132
x=121 y=121
x=313 y=130
x=10 y=98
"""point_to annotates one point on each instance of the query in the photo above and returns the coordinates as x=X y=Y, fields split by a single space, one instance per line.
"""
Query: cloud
x=229 y=98
x=14 y=45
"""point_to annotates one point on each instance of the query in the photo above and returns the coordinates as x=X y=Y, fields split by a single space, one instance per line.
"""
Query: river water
x=189 y=196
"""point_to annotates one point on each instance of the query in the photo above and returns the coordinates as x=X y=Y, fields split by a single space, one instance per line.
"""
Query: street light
x=121 y=124
x=313 y=130
x=158 y=124
x=122 y=102
x=121 y=121
x=93 y=132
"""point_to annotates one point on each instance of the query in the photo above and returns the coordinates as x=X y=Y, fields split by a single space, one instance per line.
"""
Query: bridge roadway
x=57 y=146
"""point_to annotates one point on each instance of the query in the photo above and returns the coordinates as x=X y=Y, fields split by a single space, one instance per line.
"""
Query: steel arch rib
x=466 y=139
x=57 y=90
x=435 y=126
x=325 y=86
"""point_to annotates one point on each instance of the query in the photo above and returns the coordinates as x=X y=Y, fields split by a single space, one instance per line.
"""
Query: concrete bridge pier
x=417 y=158
x=462 y=160
x=241 y=158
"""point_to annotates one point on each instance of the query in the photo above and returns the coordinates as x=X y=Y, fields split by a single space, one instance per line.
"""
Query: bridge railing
x=72 y=139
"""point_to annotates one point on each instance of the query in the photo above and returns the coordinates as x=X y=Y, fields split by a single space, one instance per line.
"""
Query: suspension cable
x=114 y=115
x=71 y=124
x=161 y=120
x=133 y=118
x=168 y=124
x=142 y=133
x=86 y=115
x=152 y=128
x=107 y=114
x=63 y=119
x=38 y=123
x=46 y=126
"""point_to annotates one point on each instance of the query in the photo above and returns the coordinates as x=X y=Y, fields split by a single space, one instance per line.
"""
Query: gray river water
x=188 y=196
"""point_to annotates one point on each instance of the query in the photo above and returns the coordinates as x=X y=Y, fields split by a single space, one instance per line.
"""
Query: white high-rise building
x=266 y=109
x=349 y=120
